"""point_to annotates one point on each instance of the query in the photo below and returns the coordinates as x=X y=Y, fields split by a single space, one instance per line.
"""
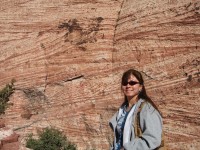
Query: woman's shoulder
x=148 y=107
x=150 y=112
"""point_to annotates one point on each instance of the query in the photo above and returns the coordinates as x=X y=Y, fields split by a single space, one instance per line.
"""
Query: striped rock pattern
x=67 y=58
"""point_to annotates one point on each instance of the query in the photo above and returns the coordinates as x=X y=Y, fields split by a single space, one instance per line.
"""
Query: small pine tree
x=50 y=139
x=4 y=96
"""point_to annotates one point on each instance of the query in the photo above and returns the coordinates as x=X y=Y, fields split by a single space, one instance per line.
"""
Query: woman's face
x=131 y=88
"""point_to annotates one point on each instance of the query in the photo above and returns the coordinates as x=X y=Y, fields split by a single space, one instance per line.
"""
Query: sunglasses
x=130 y=83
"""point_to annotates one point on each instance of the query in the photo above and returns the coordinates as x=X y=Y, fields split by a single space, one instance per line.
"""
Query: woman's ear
x=140 y=88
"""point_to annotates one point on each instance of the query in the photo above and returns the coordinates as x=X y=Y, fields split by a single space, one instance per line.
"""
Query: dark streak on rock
x=34 y=94
x=71 y=25
x=188 y=5
x=189 y=79
x=76 y=35
x=74 y=78
x=147 y=75
x=82 y=48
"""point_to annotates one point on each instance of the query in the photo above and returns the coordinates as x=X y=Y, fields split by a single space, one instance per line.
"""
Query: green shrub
x=50 y=139
x=4 y=96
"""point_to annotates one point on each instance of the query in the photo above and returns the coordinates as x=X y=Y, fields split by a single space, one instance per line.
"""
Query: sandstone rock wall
x=67 y=58
x=60 y=54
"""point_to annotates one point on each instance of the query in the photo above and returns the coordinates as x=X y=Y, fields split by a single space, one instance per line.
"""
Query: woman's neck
x=132 y=101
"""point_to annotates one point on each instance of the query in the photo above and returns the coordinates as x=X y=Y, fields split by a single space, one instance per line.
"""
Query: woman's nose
x=128 y=85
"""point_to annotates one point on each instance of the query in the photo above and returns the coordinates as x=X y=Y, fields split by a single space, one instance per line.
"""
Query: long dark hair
x=126 y=75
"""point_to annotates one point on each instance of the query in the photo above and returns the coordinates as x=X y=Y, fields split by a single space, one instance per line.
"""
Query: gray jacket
x=151 y=126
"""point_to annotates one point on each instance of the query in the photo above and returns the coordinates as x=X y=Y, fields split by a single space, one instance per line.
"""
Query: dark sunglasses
x=130 y=83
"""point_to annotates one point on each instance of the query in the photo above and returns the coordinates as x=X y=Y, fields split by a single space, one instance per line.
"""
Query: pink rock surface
x=67 y=58
x=11 y=146
x=10 y=139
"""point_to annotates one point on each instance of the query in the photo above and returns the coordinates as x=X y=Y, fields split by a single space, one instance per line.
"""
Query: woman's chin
x=131 y=96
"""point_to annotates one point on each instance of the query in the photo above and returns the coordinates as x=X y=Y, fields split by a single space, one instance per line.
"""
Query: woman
x=150 y=120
